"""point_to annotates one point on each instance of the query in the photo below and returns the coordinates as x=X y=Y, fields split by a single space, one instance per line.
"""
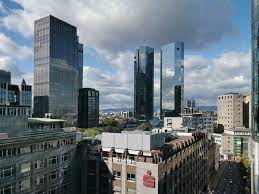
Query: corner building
x=143 y=163
x=58 y=67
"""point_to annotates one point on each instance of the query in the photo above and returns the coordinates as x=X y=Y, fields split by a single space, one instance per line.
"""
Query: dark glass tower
x=88 y=108
x=172 y=80
x=143 y=83
x=5 y=76
x=255 y=96
x=58 y=69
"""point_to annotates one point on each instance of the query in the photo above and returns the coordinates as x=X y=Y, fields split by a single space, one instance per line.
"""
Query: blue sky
x=216 y=36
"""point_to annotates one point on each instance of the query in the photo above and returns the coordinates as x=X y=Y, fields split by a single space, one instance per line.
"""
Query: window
x=53 y=190
x=66 y=171
x=53 y=175
x=7 y=189
x=39 y=164
x=25 y=184
x=25 y=167
x=53 y=160
x=40 y=179
x=6 y=172
x=66 y=186
x=131 y=191
x=117 y=174
x=64 y=157
x=131 y=177
x=24 y=150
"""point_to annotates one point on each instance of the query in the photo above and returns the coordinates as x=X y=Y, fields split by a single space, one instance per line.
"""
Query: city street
x=230 y=181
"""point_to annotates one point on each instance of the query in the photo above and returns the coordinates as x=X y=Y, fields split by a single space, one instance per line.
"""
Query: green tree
x=90 y=132
x=218 y=128
x=144 y=127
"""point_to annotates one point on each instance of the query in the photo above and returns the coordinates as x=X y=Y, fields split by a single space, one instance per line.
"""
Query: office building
x=25 y=94
x=15 y=108
x=247 y=111
x=144 y=83
x=255 y=97
x=230 y=110
x=144 y=163
x=45 y=125
x=88 y=108
x=5 y=76
x=235 y=142
x=190 y=103
x=172 y=80
x=58 y=67
x=39 y=163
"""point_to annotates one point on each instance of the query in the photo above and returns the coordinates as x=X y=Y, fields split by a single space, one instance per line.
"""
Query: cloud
x=9 y=48
x=206 y=78
x=111 y=30
x=122 y=25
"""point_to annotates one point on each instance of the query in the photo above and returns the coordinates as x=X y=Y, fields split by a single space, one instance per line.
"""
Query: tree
x=144 y=127
x=218 y=128
x=90 y=132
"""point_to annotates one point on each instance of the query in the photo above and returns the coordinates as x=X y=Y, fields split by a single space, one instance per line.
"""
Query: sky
x=216 y=36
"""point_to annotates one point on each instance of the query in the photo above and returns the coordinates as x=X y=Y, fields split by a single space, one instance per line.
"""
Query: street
x=230 y=181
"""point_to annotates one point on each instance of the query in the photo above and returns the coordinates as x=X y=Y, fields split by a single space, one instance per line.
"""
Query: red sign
x=149 y=180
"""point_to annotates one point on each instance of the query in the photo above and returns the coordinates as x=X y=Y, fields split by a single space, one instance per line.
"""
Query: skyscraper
x=143 y=83
x=172 y=79
x=5 y=76
x=58 y=67
x=88 y=108
x=255 y=96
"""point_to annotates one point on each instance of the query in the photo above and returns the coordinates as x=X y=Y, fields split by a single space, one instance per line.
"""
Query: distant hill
x=202 y=108
x=208 y=108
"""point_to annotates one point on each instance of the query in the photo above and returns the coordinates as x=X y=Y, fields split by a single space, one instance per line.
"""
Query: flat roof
x=45 y=120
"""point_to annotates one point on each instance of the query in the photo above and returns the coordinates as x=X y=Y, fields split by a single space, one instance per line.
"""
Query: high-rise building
x=172 y=80
x=255 y=96
x=58 y=67
x=230 y=110
x=190 y=103
x=144 y=83
x=25 y=94
x=88 y=108
x=5 y=76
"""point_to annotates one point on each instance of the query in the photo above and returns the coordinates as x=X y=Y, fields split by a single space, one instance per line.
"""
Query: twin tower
x=171 y=81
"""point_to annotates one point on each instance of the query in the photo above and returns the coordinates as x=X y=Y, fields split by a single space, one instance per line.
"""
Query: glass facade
x=143 y=83
x=58 y=70
x=88 y=108
x=172 y=79
x=255 y=96
x=5 y=76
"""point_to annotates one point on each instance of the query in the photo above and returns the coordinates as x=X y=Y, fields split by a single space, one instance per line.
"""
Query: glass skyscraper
x=255 y=96
x=143 y=83
x=58 y=70
x=172 y=79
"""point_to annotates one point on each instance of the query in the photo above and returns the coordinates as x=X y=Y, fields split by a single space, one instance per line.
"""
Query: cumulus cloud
x=121 y=25
x=9 y=48
x=206 y=78
x=112 y=30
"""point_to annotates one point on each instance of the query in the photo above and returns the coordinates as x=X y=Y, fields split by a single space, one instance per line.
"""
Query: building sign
x=149 y=180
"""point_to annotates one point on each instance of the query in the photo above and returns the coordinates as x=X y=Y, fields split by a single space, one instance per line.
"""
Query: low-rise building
x=144 y=163
x=235 y=142
x=45 y=124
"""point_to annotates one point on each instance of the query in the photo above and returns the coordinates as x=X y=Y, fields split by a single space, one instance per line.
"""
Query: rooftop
x=45 y=120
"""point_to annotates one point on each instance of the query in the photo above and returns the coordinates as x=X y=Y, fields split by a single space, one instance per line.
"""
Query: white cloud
x=9 y=48
x=205 y=78
x=121 y=25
